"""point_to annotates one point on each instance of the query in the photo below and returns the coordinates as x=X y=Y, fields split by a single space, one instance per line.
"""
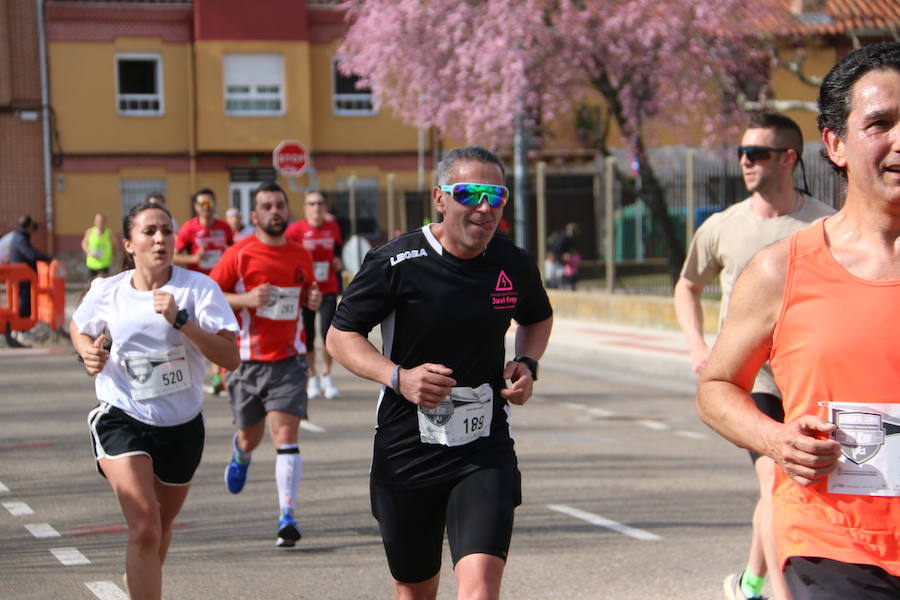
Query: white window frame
x=159 y=96
x=134 y=191
x=350 y=105
x=253 y=94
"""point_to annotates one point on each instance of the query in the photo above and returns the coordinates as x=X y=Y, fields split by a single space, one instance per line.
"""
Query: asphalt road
x=626 y=496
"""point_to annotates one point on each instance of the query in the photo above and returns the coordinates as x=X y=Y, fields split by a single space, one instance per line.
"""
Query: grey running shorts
x=174 y=451
x=256 y=388
x=476 y=509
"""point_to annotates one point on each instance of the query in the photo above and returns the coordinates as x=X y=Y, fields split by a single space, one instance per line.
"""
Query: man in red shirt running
x=322 y=237
x=266 y=278
x=202 y=240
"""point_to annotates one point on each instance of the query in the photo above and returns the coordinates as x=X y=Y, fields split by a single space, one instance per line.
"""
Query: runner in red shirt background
x=202 y=240
x=322 y=237
x=266 y=278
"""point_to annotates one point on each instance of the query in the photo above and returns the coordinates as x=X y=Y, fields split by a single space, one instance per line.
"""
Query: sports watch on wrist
x=530 y=363
x=180 y=319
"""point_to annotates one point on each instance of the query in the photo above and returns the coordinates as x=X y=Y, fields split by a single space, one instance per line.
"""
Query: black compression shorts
x=326 y=314
x=476 y=509
x=772 y=407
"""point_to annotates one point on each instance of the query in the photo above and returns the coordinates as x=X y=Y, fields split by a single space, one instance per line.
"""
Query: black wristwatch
x=180 y=319
x=530 y=363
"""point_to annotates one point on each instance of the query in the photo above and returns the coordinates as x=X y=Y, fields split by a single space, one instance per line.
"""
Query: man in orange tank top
x=822 y=307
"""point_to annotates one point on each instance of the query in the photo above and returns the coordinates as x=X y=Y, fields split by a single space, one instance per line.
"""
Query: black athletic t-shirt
x=436 y=308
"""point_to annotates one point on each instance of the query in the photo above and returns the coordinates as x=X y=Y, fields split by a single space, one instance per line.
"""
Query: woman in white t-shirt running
x=163 y=322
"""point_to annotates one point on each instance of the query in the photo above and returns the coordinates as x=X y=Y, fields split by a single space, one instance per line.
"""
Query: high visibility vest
x=99 y=254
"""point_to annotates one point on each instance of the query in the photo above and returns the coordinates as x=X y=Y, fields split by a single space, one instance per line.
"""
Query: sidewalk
x=658 y=353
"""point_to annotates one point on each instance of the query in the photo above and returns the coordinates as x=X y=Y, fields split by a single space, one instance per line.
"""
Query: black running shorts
x=174 y=451
x=772 y=407
x=826 y=579
x=477 y=511
x=326 y=314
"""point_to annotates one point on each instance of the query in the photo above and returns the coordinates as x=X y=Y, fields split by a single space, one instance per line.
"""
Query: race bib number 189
x=464 y=416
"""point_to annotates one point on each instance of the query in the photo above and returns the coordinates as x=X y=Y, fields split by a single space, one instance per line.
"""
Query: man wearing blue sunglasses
x=445 y=296
x=770 y=150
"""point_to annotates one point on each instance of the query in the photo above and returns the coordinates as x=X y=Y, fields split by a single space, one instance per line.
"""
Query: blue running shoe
x=288 y=533
x=236 y=475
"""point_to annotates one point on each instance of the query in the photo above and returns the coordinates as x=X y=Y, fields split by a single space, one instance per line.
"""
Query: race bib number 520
x=154 y=374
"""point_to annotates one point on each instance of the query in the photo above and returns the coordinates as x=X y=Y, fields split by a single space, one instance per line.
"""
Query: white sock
x=288 y=470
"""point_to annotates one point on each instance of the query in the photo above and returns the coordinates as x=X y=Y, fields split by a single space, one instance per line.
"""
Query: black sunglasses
x=755 y=153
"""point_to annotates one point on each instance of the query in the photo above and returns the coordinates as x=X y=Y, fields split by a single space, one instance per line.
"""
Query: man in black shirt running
x=443 y=455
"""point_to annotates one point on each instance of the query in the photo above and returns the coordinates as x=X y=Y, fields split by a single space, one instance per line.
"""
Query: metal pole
x=610 y=172
x=391 y=212
x=541 y=210
x=598 y=206
x=45 y=126
x=689 y=198
x=520 y=175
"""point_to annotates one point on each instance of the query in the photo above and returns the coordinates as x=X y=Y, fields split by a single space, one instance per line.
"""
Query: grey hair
x=446 y=167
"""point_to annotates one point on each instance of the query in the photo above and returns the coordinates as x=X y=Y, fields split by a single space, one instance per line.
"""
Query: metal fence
x=622 y=249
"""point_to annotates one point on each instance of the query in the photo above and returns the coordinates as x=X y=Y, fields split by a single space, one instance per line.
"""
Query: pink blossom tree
x=468 y=68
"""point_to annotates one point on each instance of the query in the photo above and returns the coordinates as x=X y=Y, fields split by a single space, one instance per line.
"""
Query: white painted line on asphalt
x=106 y=590
x=3 y=488
x=602 y=412
x=572 y=405
x=18 y=509
x=311 y=427
x=694 y=435
x=656 y=425
x=42 y=530
x=634 y=532
x=70 y=557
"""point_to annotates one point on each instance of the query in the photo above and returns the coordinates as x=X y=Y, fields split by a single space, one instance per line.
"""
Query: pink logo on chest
x=504 y=295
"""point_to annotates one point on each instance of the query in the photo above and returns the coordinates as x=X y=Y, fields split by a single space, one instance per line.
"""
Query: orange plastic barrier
x=51 y=300
x=10 y=276
x=48 y=295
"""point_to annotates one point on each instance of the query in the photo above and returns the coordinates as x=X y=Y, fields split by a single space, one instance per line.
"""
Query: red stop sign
x=289 y=157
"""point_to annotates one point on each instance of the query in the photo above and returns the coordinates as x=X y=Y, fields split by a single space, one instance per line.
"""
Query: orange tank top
x=837 y=339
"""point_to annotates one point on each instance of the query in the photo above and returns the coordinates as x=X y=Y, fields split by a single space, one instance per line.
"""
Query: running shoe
x=236 y=475
x=312 y=387
x=215 y=387
x=331 y=391
x=732 y=588
x=288 y=532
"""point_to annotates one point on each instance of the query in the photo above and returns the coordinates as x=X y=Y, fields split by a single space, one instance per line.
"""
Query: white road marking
x=70 y=557
x=18 y=509
x=694 y=435
x=311 y=427
x=3 y=488
x=654 y=425
x=106 y=590
x=572 y=405
x=602 y=412
x=634 y=532
x=42 y=530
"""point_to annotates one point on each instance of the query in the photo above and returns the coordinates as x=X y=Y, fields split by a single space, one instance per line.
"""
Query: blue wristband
x=395 y=379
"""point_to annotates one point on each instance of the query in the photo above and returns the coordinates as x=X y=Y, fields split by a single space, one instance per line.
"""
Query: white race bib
x=209 y=259
x=154 y=374
x=464 y=416
x=320 y=268
x=869 y=435
x=283 y=305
